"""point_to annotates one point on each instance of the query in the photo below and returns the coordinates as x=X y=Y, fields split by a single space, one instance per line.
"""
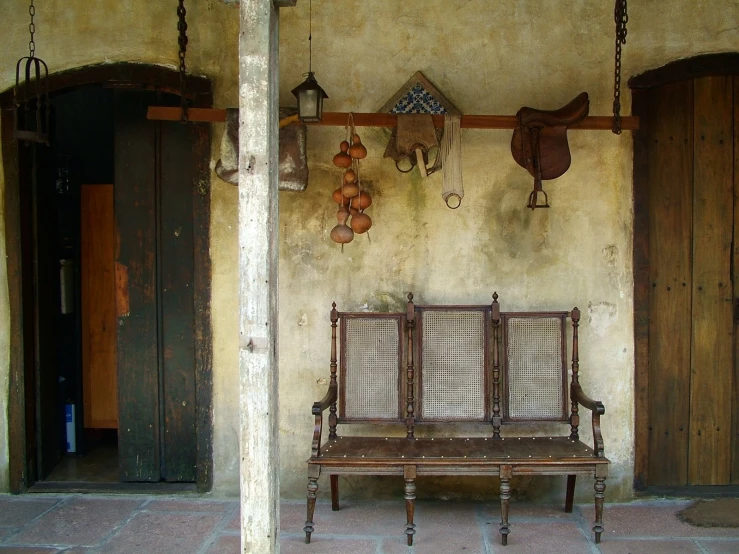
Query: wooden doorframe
x=135 y=76
x=724 y=64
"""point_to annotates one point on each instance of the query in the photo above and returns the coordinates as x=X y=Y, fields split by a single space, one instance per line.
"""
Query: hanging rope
x=450 y=151
x=621 y=17
x=182 y=41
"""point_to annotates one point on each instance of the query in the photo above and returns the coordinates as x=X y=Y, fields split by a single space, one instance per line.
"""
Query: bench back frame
x=410 y=391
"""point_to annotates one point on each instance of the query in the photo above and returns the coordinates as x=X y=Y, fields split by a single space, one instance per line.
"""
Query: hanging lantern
x=310 y=97
x=309 y=93
x=31 y=94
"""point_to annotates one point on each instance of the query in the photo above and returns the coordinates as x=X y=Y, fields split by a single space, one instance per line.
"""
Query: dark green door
x=154 y=182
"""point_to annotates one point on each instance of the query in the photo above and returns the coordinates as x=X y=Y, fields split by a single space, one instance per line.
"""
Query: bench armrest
x=317 y=410
x=595 y=406
x=325 y=402
x=598 y=409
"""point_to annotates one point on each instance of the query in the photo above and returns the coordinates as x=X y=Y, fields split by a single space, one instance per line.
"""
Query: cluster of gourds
x=350 y=197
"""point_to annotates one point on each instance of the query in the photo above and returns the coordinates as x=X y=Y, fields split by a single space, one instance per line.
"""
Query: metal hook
x=410 y=159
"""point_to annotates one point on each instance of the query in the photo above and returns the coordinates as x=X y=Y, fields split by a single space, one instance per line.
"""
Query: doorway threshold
x=117 y=488
x=696 y=491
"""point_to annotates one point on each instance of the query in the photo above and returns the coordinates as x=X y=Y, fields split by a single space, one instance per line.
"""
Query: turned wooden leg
x=409 y=473
x=570 y=493
x=600 y=488
x=505 y=495
x=313 y=473
x=335 y=493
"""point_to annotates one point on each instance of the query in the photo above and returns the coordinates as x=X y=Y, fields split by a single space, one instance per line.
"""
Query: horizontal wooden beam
x=597 y=122
x=339 y=119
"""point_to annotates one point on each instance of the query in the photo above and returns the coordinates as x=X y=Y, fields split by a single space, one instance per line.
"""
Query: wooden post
x=258 y=233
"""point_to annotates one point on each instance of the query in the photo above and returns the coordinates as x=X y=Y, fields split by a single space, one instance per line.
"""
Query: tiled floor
x=91 y=524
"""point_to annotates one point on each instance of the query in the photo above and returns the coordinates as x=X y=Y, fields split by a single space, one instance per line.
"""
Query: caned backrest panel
x=370 y=366
x=453 y=354
x=535 y=366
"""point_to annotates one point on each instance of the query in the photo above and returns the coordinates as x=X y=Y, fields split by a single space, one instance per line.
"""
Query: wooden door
x=97 y=276
x=154 y=183
x=692 y=376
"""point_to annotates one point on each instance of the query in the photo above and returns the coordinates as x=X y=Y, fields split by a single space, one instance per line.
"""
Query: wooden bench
x=436 y=365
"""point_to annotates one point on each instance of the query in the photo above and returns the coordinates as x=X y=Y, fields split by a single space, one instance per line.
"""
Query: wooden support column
x=258 y=231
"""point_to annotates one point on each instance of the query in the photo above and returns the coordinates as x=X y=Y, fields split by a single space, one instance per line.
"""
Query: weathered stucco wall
x=487 y=57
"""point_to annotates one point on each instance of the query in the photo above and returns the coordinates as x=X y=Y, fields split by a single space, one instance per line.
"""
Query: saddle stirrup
x=535 y=154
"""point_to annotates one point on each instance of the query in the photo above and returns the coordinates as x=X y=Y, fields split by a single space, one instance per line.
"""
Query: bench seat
x=475 y=456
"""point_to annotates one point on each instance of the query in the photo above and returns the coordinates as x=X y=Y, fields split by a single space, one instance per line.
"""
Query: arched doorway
x=151 y=179
x=686 y=185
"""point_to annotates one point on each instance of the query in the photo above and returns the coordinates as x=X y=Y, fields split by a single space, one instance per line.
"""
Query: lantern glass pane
x=308 y=104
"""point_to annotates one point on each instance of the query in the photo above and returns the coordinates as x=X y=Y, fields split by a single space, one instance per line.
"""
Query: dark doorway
x=114 y=281
x=79 y=159
x=686 y=183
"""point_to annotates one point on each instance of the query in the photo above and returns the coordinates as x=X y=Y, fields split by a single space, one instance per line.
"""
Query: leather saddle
x=540 y=145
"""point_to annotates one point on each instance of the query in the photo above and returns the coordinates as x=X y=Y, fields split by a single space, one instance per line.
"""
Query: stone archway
x=21 y=412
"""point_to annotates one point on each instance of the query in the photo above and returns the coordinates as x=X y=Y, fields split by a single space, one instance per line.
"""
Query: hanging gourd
x=342 y=233
x=357 y=149
x=350 y=197
x=350 y=176
x=342 y=159
x=362 y=201
x=339 y=198
x=350 y=190
x=361 y=222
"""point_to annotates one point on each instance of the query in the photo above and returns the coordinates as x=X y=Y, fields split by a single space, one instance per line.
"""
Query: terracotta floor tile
x=226 y=544
x=650 y=520
x=16 y=512
x=531 y=513
x=537 y=538
x=658 y=546
x=359 y=518
x=292 y=516
x=78 y=522
x=447 y=527
x=730 y=546
x=234 y=524
x=163 y=533
x=443 y=541
x=176 y=505
x=27 y=550
x=327 y=545
x=397 y=546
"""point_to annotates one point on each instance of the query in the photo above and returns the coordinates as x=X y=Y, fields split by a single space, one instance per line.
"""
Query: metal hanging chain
x=32 y=30
x=310 y=36
x=621 y=17
x=182 y=41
